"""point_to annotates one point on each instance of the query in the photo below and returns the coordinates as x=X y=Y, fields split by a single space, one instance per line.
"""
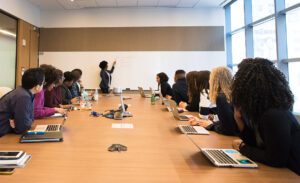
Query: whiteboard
x=133 y=69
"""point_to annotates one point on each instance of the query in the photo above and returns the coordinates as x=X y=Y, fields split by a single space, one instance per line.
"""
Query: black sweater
x=166 y=89
x=226 y=124
x=180 y=91
x=279 y=143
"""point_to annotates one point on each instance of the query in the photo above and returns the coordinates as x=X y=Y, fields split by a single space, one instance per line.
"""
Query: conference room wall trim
x=198 y=38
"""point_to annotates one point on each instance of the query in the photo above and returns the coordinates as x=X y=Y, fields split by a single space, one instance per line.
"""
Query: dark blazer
x=226 y=124
x=166 y=89
x=180 y=91
x=105 y=78
x=275 y=141
x=66 y=95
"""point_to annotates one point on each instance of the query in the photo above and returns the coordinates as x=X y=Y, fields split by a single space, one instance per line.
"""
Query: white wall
x=22 y=9
x=134 y=68
x=133 y=17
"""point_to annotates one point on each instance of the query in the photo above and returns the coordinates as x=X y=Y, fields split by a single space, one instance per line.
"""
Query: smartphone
x=10 y=155
x=6 y=171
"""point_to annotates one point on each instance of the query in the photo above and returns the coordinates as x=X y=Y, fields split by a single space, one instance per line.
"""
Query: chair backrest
x=4 y=90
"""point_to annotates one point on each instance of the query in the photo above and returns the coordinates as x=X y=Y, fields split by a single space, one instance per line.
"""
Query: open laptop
x=167 y=104
x=226 y=157
x=175 y=112
x=193 y=130
x=142 y=92
x=50 y=127
x=123 y=110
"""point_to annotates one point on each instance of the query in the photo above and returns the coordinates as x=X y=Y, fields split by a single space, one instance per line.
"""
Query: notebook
x=46 y=137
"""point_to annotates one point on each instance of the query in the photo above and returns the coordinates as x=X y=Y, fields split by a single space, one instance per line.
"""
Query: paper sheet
x=122 y=125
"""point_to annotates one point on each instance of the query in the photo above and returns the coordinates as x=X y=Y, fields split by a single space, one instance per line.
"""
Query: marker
x=35 y=132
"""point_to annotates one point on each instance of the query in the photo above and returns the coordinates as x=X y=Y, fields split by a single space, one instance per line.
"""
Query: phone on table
x=10 y=155
x=6 y=171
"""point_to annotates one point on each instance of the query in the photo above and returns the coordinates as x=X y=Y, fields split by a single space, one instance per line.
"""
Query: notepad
x=122 y=125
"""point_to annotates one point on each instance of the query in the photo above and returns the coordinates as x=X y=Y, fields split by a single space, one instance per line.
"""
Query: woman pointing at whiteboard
x=106 y=76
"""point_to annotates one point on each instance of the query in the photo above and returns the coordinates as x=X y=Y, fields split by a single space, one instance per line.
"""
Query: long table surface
x=157 y=151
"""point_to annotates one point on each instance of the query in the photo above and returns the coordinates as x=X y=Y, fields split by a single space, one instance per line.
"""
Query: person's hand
x=60 y=110
x=65 y=106
x=114 y=63
x=12 y=123
x=237 y=143
x=194 y=121
x=74 y=100
x=182 y=105
x=168 y=97
x=238 y=119
x=204 y=123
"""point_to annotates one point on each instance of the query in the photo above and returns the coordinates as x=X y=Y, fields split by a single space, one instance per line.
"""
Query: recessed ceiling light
x=72 y=0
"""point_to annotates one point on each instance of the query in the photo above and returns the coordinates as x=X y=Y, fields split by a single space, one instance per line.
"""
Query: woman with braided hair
x=262 y=101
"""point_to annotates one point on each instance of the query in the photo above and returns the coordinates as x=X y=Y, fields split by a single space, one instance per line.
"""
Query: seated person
x=197 y=84
x=65 y=91
x=219 y=94
x=40 y=111
x=262 y=100
x=77 y=84
x=16 y=107
x=180 y=87
x=163 y=85
x=53 y=97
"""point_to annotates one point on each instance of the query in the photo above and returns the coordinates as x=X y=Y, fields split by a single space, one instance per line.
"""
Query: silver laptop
x=226 y=157
x=141 y=90
x=175 y=112
x=167 y=104
x=193 y=130
x=50 y=127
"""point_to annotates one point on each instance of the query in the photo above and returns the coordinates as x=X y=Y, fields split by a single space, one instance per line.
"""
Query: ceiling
x=81 y=4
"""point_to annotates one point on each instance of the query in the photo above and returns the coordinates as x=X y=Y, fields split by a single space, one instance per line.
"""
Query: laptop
x=45 y=133
x=226 y=157
x=143 y=93
x=193 y=130
x=167 y=104
x=50 y=127
x=175 y=112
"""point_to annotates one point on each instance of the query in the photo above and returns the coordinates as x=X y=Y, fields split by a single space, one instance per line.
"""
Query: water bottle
x=96 y=95
x=152 y=99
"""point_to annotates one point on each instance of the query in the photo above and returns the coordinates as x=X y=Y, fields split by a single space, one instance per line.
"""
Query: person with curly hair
x=220 y=82
x=163 y=85
x=262 y=101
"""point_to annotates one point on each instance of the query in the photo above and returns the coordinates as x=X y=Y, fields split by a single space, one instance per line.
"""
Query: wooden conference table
x=157 y=152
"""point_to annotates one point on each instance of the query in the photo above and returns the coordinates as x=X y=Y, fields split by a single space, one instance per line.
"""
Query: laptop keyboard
x=220 y=157
x=189 y=129
x=52 y=128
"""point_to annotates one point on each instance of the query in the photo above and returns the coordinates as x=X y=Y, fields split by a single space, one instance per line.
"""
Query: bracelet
x=241 y=145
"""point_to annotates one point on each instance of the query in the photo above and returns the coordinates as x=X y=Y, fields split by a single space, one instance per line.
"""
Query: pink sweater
x=39 y=110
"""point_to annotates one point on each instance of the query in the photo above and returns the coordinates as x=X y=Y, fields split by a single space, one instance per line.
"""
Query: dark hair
x=258 y=87
x=247 y=61
x=163 y=77
x=203 y=81
x=32 y=78
x=59 y=73
x=77 y=73
x=197 y=82
x=51 y=74
x=103 y=64
x=179 y=74
x=68 y=76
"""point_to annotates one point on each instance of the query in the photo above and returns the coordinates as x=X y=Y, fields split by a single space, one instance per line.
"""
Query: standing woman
x=105 y=76
x=262 y=100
